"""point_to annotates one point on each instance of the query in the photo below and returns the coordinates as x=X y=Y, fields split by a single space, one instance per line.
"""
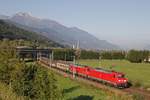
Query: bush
x=34 y=82
x=137 y=84
x=8 y=61
x=46 y=87
x=136 y=56
x=28 y=81
x=23 y=81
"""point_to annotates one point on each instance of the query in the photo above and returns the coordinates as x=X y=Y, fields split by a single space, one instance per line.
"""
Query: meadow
x=137 y=73
x=74 y=90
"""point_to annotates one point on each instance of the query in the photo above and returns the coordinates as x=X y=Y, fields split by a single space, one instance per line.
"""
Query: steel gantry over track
x=33 y=53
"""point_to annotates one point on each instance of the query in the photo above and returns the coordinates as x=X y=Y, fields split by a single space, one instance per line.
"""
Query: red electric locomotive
x=114 y=78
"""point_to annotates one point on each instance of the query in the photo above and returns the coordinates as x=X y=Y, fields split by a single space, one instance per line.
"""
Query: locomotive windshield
x=120 y=76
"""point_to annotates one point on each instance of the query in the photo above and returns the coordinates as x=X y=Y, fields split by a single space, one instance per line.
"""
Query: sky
x=122 y=22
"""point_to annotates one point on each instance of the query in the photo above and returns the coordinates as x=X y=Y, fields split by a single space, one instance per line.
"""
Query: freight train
x=112 y=78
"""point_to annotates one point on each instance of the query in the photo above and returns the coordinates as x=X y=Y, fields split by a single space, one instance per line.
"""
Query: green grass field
x=74 y=90
x=137 y=73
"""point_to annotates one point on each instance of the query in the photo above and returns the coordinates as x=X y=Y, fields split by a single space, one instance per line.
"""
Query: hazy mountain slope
x=10 y=31
x=60 y=33
x=4 y=17
x=147 y=47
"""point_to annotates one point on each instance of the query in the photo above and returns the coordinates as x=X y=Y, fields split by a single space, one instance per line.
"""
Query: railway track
x=127 y=91
x=84 y=80
x=141 y=92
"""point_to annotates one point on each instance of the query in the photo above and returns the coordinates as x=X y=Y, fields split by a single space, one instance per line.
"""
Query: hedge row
x=113 y=54
x=136 y=56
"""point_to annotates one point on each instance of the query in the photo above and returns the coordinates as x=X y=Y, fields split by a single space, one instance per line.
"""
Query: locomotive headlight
x=119 y=80
x=125 y=80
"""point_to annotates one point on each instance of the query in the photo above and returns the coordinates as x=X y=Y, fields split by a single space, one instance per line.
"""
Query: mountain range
x=147 y=47
x=11 y=32
x=57 y=32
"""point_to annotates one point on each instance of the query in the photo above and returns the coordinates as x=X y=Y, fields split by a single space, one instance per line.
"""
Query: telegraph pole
x=52 y=55
x=65 y=57
x=40 y=56
x=99 y=60
x=74 y=59
x=50 y=58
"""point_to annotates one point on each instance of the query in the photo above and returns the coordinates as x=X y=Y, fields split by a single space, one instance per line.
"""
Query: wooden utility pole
x=50 y=62
x=99 y=60
x=74 y=59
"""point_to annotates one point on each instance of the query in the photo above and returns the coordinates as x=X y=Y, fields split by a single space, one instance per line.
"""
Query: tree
x=113 y=54
x=8 y=60
x=63 y=54
x=46 y=87
x=89 y=54
x=36 y=83
x=137 y=56
x=145 y=55
x=30 y=81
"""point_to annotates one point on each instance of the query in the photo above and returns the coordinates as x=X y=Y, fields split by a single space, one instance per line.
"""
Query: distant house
x=147 y=59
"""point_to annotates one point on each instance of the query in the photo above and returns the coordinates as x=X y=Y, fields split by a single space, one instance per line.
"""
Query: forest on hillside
x=11 y=32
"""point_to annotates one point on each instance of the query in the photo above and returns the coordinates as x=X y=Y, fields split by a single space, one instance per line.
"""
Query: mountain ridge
x=60 y=33
x=12 y=32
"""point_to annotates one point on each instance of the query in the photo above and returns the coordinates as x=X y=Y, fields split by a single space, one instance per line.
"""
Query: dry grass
x=6 y=93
